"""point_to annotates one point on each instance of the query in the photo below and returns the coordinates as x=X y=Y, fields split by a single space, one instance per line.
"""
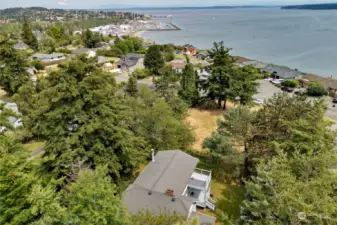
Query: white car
x=268 y=79
x=259 y=101
x=277 y=81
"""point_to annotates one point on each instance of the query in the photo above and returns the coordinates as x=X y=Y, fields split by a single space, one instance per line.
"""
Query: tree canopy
x=14 y=67
x=154 y=60
x=77 y=111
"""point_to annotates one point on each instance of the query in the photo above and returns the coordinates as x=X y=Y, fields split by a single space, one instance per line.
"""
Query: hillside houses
x=48 y=57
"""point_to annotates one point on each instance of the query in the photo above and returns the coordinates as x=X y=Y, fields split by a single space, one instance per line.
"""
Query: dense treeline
x=326 y=6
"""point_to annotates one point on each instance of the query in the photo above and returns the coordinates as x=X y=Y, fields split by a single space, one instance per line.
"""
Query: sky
x=81 y=4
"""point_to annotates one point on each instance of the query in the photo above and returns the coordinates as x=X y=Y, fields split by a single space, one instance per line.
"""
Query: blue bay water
x=302 y=39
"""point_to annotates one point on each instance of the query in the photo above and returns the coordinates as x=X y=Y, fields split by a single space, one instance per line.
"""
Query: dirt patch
x=204 y=123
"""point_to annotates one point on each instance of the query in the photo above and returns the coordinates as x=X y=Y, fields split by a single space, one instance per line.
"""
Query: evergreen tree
x=13 y=72
x=299 y=189
x=93 y=199
x=218 y=85
x=155 y=120
x=294 y=123
x=131 y=87
x=189 y=92
x=77 y=111
x=23 y=200
x=244 y=84
x=154 y=60
x=91 y=40
x=28 y=37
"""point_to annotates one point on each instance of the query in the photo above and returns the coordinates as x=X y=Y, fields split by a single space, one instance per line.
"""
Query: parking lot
x=267 y=90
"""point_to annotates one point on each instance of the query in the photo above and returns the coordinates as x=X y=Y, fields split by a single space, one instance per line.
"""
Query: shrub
x=37 y=64
x=315 y=84
x=141 y=73
x=316 y=91
x=207 y=103
x=291 y=83
x=64 y=50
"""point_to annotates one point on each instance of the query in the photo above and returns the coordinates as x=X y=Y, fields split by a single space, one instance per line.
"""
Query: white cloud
x=63 y=2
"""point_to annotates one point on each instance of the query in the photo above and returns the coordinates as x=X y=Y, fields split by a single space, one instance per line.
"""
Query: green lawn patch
x=34 y=146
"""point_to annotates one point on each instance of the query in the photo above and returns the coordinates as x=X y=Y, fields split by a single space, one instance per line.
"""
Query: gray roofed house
x=282 y=72
x=21 y=46
x=129 y=61
x=172 y=182
x=87 y=51
x=37 y=34
x=48 y=57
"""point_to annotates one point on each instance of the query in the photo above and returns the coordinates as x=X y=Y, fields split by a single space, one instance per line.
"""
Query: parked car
x=268 y=79
x=334 y=100
x=277 y=81
x=299 y=92
x=258 y=101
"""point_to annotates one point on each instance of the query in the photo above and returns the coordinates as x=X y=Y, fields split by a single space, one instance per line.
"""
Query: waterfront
x=306 y=40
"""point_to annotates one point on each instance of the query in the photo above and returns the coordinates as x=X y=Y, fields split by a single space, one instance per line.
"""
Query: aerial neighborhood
x=101 y=126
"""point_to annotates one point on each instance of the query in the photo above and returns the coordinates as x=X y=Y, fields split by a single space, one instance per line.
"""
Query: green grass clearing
x=34 y=145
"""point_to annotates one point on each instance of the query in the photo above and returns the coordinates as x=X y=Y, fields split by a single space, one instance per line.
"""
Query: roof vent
x=150 y=192
x=173 y=199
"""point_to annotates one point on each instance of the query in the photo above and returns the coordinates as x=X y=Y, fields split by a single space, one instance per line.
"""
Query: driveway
x=266 y=90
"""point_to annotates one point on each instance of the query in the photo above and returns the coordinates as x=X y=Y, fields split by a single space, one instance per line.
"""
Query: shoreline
x=241 y=58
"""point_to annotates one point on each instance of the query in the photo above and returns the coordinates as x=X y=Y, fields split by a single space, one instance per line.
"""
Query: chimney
x=152 y=152
x=169 y=192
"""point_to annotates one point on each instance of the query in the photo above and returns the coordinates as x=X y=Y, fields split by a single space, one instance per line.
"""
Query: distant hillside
x=184 y=7
x=326 y=6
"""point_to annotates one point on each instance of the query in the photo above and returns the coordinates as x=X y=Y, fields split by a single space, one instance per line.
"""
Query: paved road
x=267 y=90
x=124 y=78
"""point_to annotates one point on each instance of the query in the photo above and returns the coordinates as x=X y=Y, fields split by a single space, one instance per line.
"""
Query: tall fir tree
x=14 y=69
x=131 y=86
x=189 y=92
x=27 y=35
x=154 y=60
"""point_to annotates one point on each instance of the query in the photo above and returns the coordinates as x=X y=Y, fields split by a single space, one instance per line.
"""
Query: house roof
x=42 y=56
x=130 y=60
x=138 y=198
x=20 y=45
x=283 y=72
x=171 y=169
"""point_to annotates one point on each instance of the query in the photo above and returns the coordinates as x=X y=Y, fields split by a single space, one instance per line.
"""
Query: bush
x=37 y=64
x=141 y=73
x=113 y=52
x=291 y=83
x=317 y=91
x=315 y=84
x=207 y=103
x=64 y=50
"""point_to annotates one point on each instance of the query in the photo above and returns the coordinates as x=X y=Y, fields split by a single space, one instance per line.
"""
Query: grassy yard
x=228 y=195
x=204 y=123
x=228 y=198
